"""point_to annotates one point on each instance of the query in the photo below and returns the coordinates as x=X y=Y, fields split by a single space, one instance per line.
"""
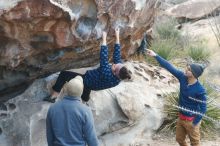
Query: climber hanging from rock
x=103 y=77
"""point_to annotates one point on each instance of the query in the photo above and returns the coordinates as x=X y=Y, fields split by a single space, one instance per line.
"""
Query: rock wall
x=41 y=37
x=125 y=115
x=195 y=9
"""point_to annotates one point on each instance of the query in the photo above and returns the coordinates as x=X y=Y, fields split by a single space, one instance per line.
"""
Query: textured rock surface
x=194 y=9
x=204 y=29
x=45 y=36
x=124 y=115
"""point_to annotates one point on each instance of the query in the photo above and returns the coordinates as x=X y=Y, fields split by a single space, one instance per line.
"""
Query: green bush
x=198 y=53
x=208 y=127
x=167 y=39
x=164 y=48
x=171 y=112
x=167 y=30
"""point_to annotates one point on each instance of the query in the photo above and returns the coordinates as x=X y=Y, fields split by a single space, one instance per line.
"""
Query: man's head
x=121 y=71
x=194 y=70
x=74 y=87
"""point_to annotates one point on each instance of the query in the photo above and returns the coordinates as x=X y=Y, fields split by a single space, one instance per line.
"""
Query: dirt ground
x=164 y=140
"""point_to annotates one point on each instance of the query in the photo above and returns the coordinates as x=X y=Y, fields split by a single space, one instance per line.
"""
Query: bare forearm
x=117 y=31
x=104 y=36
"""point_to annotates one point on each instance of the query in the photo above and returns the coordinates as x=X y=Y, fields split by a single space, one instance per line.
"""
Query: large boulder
x=194 y=9
x=204 y=28
x=208 y=31
x=124 y=115
x=40 y=37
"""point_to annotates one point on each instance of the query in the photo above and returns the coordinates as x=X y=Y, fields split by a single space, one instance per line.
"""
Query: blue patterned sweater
x=103 y=77
x=192 y=97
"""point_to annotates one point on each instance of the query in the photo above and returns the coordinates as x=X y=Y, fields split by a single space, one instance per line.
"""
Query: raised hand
x=117 y=32
x=151 y=53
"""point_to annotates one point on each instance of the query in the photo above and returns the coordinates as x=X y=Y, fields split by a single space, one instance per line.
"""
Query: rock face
x=202 y=27
x=124 y=115
x=194 y=9
x=205 y=29
x=45 y=36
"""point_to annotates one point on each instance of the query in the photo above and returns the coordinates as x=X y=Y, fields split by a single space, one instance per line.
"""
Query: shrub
x=167 y=39
x=171 y=112
x=164 y=48
x=198 y=53
x=167 y=30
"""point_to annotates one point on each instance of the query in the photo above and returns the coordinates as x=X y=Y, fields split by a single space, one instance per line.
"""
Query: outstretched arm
x=104 y=51
x=165 y=64
x=104 y=36
x=117 y=47
x=117 y=32
x=104 y=65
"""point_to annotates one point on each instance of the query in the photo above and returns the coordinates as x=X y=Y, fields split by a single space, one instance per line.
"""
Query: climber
x=192 y=97
x=103 y=77
x=69 y=122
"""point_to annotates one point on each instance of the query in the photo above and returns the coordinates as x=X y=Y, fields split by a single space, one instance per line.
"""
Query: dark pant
x=66 y=76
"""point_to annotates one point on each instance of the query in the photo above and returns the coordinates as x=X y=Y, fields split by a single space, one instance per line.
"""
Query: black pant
x=66 y=76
